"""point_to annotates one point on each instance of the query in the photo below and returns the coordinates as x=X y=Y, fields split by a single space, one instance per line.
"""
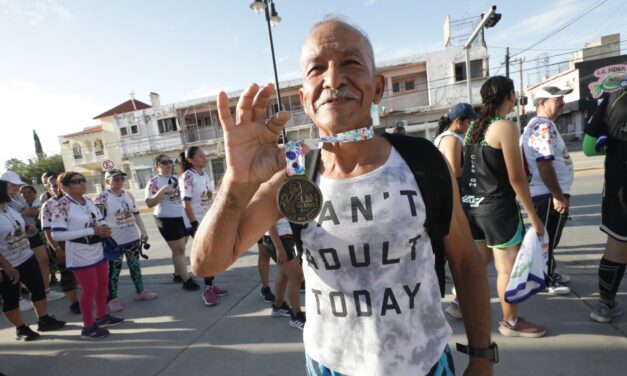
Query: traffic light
x=523 y=100
x=493 y=20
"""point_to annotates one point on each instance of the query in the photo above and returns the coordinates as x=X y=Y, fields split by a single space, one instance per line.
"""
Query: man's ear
x=379 y=88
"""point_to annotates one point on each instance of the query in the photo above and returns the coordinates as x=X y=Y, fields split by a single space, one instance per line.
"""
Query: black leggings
x=30 y=276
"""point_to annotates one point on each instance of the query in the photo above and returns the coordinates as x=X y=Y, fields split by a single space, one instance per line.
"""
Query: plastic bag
x=110 y=249
x=530 y=268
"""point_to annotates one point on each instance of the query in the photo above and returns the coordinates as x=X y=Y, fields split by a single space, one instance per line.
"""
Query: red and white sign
x=108 y=165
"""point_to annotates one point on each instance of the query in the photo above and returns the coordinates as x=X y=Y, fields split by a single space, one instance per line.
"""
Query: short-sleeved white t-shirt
x=46 y=212
x=170 y=205
x=14 y=245
x=120 y=210
x=69 y=215
x=373 y=298
x=541 y=141
x=197 y=189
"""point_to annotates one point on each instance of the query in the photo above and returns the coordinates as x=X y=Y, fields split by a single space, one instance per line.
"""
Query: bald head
x=334 y=25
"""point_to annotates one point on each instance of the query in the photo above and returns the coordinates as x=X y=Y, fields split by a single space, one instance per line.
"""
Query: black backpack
x=434 y=180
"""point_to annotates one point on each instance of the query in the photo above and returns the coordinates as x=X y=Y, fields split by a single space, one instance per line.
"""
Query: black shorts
x=171 y=228
x=35 y=241
x=502 y=230
x=30 y=276
x=288 y=244
x=614 y=206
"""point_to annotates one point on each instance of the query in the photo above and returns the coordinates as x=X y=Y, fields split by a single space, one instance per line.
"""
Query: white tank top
x=438 y=139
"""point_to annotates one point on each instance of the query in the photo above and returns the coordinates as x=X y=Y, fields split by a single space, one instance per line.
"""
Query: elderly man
x=552 y=173
x=373 y=299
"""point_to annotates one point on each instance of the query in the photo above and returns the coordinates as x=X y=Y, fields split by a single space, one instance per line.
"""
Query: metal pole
x=276 y=76
x=507 y=62
x=522 y=87
x=468 y=76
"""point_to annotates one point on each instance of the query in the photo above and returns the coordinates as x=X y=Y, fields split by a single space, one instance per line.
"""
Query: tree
x=35 y=167
x=39 y=151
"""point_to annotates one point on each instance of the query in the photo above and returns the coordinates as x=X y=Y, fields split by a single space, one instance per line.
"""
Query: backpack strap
x=434 y=181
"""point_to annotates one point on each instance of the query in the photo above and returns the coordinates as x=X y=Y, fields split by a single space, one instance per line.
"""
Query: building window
x=167 y=125
x=143 y=176
x=123 y=131
x=476 y=69
x=78 y=152
x=396 y=87
x=98 y=147
x=217 y=166
x=134 y=129
x=410 y=85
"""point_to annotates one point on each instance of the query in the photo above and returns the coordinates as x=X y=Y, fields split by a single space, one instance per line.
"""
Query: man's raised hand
x=251 y=142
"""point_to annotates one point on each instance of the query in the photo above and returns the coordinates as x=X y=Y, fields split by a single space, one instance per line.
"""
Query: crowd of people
x=368 y=256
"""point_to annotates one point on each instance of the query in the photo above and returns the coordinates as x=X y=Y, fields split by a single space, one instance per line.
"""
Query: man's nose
x=334 y=76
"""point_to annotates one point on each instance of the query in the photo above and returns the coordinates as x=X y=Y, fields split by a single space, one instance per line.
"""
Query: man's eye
x=315 y=69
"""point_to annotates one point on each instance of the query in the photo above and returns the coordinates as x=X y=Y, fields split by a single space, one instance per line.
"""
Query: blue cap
x=462 y=110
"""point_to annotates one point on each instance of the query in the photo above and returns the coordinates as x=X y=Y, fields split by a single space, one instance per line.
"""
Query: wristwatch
x=491 y=353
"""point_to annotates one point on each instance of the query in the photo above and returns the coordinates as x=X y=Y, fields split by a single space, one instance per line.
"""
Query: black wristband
x=491 y=353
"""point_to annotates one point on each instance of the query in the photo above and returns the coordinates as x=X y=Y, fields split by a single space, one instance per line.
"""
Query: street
x=177 y=335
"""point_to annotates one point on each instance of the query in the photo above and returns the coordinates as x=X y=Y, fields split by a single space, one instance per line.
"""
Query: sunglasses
x=78 y=181
x=166 y=162
x=119 y=179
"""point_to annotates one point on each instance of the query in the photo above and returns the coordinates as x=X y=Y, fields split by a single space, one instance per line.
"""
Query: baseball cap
x=462 y=110
x=11 y=177
x=549 y=92
x=113 y=172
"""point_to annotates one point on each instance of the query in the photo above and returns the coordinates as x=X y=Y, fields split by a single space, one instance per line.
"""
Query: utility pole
x=521 y=92
x=507 y=62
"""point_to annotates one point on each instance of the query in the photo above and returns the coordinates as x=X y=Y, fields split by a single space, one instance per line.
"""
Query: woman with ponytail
x=455 y=123
x=197 y=192
x=492 y=179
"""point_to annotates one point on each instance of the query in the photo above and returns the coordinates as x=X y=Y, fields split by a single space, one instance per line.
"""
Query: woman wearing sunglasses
x=121 y=213
x=18 y=265
x=57 y=249
x=197 y=191
x=163 y=194
x=77 y=221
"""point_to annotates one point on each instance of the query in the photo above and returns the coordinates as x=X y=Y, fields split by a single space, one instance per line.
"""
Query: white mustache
x=335 y=94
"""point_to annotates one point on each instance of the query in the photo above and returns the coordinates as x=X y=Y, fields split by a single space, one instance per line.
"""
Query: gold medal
x=299 y=199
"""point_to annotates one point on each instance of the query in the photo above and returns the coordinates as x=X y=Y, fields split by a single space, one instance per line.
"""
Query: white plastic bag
x=530 y=268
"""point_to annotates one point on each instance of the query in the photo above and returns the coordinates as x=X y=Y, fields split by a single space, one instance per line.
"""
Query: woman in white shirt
x=163 y=194
x=77 y=221
x=18 y=265
x=121 y=213
x=197 y=192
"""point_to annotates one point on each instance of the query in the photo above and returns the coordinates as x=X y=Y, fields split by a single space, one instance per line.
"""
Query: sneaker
x=75 y=308
x=190 y=285
x=48 y=323
x=602 y=312
x=453 y=310
x=267 y=295
x=561 y=278
x=95 y=332
x=25 y=305
x=209 y=296
x=557 y=289
x=177 y=278
x=522 y=328
x=298 y=321
x=108 y=320
x=25 y=333
x=219 y=291
x=52 y=295
x=146 y=295
x=282 y=311
x=115 y=305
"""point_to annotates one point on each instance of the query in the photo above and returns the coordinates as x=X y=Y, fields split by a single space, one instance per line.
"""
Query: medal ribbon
x=294 y=149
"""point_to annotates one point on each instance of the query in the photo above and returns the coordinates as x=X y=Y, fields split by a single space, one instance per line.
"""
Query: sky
x=62 y=62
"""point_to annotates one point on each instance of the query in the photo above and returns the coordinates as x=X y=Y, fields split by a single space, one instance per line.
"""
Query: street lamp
x=489 y=20
x=272 y=19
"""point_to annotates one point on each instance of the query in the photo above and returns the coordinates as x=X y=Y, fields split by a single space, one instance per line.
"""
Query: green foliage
x=35 y=167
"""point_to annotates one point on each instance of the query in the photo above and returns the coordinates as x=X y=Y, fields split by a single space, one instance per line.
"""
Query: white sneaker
x=52 y=295
x=25 y=305
x=558 y=290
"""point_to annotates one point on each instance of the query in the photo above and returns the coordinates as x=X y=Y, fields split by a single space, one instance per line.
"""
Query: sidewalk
x=177 y=335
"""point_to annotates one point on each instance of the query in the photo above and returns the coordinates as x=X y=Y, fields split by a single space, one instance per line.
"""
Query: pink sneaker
x=115 y=305
x=219 y=291
x=209 y=296
x=146 y=295
x=521 y=329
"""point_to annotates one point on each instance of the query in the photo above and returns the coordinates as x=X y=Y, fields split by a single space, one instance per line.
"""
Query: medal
x=299 y=199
